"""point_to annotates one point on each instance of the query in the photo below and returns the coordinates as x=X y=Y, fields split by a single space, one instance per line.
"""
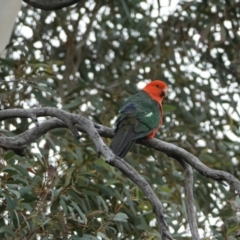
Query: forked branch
x=75 y=123
x=20 y=142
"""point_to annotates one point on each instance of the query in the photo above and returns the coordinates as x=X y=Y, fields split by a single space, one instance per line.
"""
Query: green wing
x=137 y=118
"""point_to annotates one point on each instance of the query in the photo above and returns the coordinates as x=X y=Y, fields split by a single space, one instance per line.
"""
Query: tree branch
x=169 y=149
x=78 y=123
x=50 y=4
x=180 y=154
x=132 y=174
x=69 y=120
x=189 y=200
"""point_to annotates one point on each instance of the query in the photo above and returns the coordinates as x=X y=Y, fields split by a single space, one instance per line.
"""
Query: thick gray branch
x=132 y=174
x=88 y=126
x=76 y=122
x=21 y=141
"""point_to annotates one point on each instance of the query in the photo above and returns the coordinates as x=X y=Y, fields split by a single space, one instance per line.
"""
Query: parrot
x=140 y=116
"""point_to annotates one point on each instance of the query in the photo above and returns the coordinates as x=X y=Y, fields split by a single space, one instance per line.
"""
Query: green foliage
x=88 y=59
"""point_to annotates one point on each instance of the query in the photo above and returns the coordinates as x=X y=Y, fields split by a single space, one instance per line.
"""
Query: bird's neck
x=156 y=97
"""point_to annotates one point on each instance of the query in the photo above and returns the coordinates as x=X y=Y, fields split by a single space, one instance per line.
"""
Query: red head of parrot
x=139 y=117
x=157 y=90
